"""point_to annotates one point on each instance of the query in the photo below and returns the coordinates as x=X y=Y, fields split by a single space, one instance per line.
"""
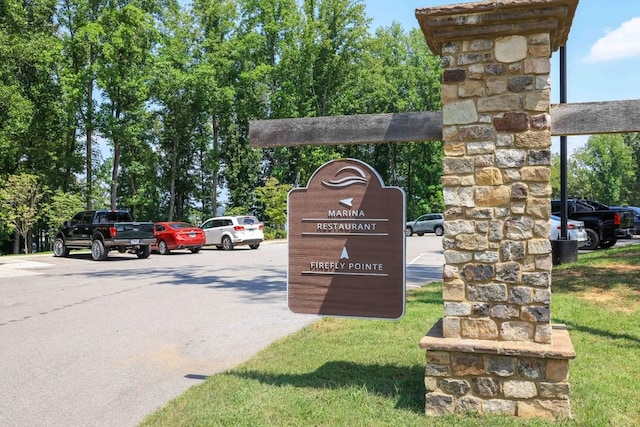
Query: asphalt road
x=85 y=343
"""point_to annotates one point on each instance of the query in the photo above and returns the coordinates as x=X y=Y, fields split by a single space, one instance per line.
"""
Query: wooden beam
x=595 y=117
x=356 y=129
x=566 y=119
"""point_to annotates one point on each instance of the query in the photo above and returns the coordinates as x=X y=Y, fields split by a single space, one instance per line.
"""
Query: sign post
x=347 y=244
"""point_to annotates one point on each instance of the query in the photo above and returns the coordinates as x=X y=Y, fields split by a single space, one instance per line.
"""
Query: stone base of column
x=521 y=379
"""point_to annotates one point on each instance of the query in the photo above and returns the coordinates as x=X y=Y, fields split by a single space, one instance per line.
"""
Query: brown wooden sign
x=347 y=244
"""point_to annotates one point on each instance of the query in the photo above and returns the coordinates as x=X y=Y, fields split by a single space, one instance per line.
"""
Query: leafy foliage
x=609 y=165
x=19 y=203
x=272 y=197
x=633 y=141
x=604 y=169
x=61 y=207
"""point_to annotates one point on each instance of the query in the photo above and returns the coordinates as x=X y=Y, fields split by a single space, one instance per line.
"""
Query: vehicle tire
x=59 y=248
x=144 y=251
x=439 y=231
x=593 y=240
x=408 y=231
x=163 y=249
x=420 y=234
x=606 y=244
x=227 y=244
x=98 y=251
x=194 y=250
x=255 y=246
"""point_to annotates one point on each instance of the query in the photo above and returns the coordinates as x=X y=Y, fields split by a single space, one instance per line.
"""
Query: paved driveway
x=85 y=343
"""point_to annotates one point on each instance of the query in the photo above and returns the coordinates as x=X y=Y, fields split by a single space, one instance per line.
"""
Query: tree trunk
x=216 y=165
x=16 y=242
x=89 y=132
x=27 y=243
x=114 y=173
x=172 y=183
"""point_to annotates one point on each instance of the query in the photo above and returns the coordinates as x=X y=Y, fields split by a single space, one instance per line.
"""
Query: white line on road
x=21 y=268
x=413 y=261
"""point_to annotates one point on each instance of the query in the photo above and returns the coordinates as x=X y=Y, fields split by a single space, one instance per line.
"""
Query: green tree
x=215 y=86
x=251 y=77
x=578 y=179
x=555 y=176
x=399 y=74
x=30 y=108
x=319 y=54
x=272 y=198
x=633 y=141
x=337 y=31
x=175 y=92
x=609 y=167
x=123 y=74
x=61 y=207
x=80 y=36
x=16 y=109
x=19 y=205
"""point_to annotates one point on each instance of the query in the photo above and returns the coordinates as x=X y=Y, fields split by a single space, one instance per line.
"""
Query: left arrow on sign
x=347 y=202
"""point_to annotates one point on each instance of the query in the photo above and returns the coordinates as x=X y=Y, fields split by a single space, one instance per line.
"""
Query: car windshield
x=247 y=220
x=181 y=225
x=636 y=210
x=113 y=216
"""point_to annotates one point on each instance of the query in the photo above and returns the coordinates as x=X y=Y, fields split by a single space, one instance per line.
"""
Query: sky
x=603 y=49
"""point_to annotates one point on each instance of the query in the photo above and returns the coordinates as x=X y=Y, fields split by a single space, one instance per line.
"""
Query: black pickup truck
x=103 y=231
x=602 y=224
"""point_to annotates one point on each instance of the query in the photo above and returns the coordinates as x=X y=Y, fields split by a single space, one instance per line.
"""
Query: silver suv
x=226 y=232
x=429 y=223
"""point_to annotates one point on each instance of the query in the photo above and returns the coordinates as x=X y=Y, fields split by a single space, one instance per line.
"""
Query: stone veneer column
x=495 y=350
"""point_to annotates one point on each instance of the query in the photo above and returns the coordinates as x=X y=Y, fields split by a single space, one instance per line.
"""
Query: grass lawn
x=349 y=372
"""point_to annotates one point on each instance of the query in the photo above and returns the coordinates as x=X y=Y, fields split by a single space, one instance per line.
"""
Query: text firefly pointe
x=345 y=266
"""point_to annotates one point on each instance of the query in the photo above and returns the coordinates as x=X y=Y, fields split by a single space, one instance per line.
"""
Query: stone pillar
x=495 y=350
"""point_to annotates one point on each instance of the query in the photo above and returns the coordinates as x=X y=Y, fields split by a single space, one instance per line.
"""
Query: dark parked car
x=428 y=223
x=636 y=216
x=603 y=224
x=103 y=231
x=177 y=235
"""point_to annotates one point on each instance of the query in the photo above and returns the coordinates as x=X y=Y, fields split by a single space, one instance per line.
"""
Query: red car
x=177 y=235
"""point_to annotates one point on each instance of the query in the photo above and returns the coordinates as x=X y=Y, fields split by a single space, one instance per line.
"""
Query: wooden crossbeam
x=595 y=118
x=356 y=129
x=566 y=119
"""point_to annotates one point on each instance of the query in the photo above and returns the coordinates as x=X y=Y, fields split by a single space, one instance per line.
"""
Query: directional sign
x=347 y=244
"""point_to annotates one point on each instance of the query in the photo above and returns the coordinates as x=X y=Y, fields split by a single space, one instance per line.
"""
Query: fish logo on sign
x=358 y=178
